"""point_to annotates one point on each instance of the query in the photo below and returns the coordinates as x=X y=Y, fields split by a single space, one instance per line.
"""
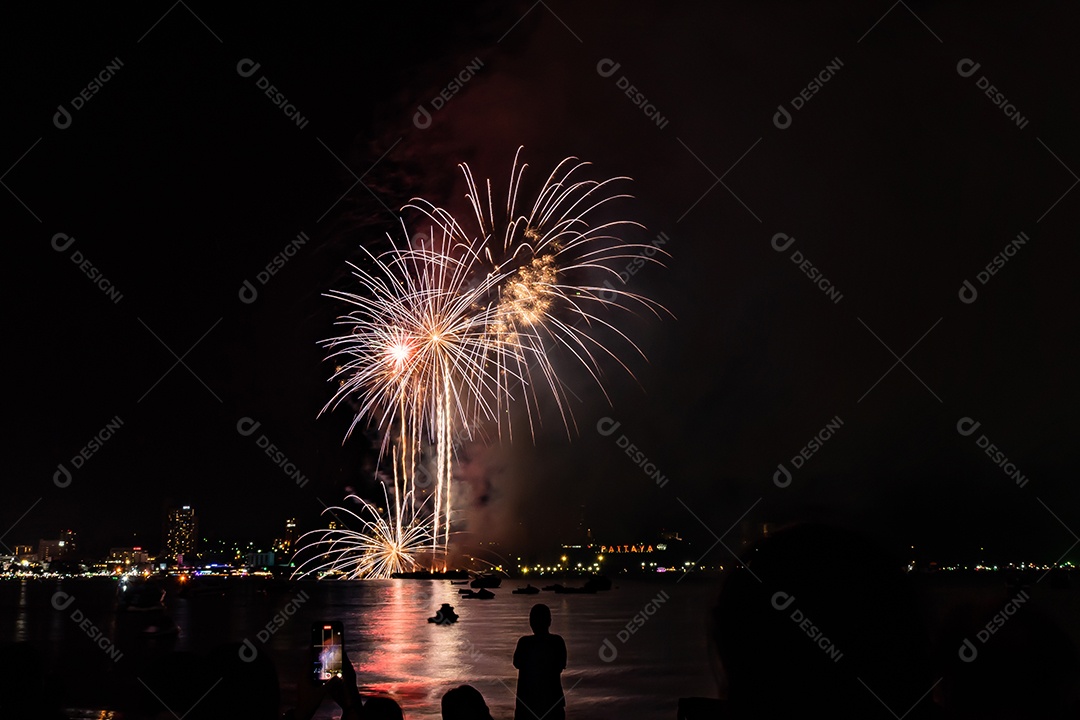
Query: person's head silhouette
x=382 y=708
x=464 y=703
x=540 y=618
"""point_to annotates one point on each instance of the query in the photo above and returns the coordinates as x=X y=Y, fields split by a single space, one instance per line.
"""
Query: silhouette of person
x=540 y=659
x=464 y=703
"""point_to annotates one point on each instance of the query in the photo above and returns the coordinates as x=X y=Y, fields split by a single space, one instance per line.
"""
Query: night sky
x=899 y=179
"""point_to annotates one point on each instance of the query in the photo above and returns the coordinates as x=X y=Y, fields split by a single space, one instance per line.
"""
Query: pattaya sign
x=613 y=549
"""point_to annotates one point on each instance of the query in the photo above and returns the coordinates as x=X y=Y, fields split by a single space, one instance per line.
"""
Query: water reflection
x=395 y=650
x=22 y=633
x=409 y=654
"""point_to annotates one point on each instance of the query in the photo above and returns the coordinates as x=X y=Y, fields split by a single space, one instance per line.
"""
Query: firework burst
x=414 y=358
x=449 y=331
x=555 y=270
x=385 y=543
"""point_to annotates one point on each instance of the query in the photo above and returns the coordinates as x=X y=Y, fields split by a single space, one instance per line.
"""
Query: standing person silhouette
x=540 y=659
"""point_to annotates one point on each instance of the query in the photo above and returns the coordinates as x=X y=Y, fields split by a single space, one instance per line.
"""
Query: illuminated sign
x=614 y=549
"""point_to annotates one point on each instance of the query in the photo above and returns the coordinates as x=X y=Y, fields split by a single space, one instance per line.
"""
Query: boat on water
x=527 y=590
x=486 y=581
x=595 y=583
x=445 y=615
x=481 y=594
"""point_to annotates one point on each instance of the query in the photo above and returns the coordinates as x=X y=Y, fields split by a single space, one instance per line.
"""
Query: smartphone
x=327 y=641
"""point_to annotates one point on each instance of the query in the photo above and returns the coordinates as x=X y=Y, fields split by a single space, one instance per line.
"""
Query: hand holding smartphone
x=327 y=650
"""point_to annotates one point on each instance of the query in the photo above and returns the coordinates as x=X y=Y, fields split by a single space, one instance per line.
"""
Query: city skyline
x=214 y=547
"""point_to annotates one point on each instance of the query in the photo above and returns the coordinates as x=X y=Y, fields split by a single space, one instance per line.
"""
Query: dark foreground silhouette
x=464 y=703
x=540 y=659
x=820 y=621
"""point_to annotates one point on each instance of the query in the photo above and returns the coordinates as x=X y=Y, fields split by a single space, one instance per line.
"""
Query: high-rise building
x=62 y=548
x=68 y=544
x=181 y=533
x=49 y=550
x=285 y=546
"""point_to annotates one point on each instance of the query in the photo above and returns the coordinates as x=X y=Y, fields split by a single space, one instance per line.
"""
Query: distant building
x=69 y=545
x=49 y=550
x=25 y=552
x=258 y=559
x=127 y=556
x=286 y=546
x=59 y=549
x=290 y=534
x=181 y=533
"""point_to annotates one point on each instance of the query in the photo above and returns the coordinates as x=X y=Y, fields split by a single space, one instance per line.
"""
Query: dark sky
x=899 y=179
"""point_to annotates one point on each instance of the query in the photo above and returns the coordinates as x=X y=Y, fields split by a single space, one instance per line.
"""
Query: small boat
x=481 y=594
x=553 y=588
x=527 y=590
x=445 y=615
x=486 y=581
x=465 y=591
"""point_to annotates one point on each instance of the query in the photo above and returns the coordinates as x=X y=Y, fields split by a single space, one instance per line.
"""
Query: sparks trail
x=414 y=360
x=545 y=264
x=384 y=545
